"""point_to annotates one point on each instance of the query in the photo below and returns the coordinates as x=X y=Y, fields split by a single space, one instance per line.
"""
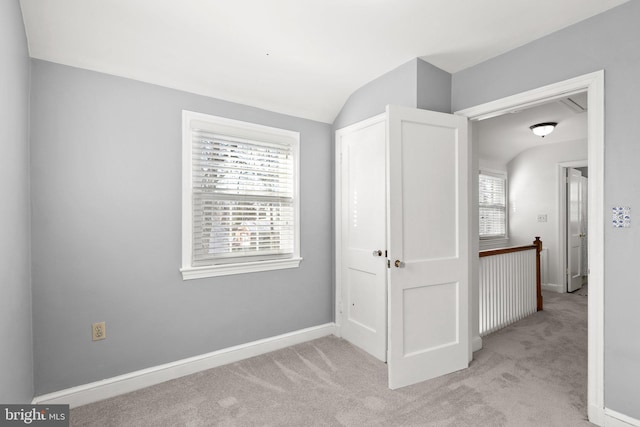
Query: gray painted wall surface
x=434 y=88
x=106 y=182
x=610 y=41
x=415 y=84
x=399 y=87
x=533 y=189
x=16 y=358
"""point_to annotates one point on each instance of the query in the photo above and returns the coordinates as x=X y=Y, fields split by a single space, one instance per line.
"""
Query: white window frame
x=502 y=175
x=234 y=129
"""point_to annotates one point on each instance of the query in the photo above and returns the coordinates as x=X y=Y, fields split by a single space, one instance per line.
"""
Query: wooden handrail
x=537 y=246
x=500 y=251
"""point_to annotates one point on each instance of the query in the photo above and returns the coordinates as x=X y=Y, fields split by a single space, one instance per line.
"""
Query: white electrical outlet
x=542 y=217
x=98 y=331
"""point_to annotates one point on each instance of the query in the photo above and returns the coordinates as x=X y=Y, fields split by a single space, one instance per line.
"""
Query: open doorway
x=527 y=164
x=593 y=85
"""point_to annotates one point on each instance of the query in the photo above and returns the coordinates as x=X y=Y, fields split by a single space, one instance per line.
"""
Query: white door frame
x=593 y=83
x=562 y=218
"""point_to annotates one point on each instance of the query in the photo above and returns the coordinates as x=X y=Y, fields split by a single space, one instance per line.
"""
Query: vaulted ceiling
x=298 y=57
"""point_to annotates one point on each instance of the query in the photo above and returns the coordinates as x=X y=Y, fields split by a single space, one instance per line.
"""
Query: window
x=493 y=207
x=240 y=197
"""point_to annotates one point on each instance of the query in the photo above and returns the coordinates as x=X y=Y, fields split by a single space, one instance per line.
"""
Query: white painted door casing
x=585 y=226
x=593 y=83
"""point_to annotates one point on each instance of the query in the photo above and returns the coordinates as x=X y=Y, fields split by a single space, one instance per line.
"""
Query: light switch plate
x=542 y=217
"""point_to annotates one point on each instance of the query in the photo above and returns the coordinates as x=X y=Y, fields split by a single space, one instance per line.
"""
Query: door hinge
x=388 y=263
x=385 y=254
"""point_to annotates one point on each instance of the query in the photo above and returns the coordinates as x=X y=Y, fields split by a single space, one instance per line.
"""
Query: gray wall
x=106 y=180
x=610 y=41
x=533 y=188
x=16 y=359
x=399 y=87
x=433 y=88
x=413 y=84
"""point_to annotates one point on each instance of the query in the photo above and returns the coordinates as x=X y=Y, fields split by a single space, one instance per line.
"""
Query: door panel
x=426 y=241
x=359 y=288
x=428 y=236
x=429 y=305
x=574 y=229
x=363 y=229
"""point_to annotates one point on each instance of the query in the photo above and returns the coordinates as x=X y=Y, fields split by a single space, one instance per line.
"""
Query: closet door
x=363 y=272
x=428 y=206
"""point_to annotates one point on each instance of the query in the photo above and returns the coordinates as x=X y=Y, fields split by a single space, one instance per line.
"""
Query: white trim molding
x=552 y=287
x=616 y=419
x=238 y=268
x=476 y=343
x=593 y=84
x=115 y=386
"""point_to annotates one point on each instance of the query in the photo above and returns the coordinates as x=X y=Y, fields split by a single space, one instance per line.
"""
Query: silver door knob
x=377 y=253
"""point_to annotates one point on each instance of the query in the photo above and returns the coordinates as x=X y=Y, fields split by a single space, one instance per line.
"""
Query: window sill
x=190 y=273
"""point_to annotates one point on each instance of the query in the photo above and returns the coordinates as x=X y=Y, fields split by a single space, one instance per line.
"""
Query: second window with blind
x=240 y=197
x=493 y=205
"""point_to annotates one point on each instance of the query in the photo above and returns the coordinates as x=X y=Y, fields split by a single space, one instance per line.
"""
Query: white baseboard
x=596 y=415
x=551 y=287
x=476 y=343
x=111 y=387
x=616 y=419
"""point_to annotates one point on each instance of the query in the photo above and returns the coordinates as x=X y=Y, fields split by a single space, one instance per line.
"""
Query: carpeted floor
x=533 y=373
x=584 y=290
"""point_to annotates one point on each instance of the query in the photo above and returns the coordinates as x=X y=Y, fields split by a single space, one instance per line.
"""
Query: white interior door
x=428 y=245
x=574 y=229
x=363 y=234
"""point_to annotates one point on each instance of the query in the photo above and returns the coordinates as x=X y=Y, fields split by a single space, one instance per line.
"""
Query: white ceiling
x=502 y=138
x=298 y=57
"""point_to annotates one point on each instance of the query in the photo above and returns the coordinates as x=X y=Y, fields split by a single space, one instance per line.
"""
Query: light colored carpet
x=532 y=373
x=584 y=290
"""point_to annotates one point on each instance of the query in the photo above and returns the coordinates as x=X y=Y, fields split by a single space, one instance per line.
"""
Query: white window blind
x=242 y=198
x=242 y=203
x=493 y=211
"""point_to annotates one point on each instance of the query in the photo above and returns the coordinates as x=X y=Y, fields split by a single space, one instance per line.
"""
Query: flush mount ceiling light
x=543 y=129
